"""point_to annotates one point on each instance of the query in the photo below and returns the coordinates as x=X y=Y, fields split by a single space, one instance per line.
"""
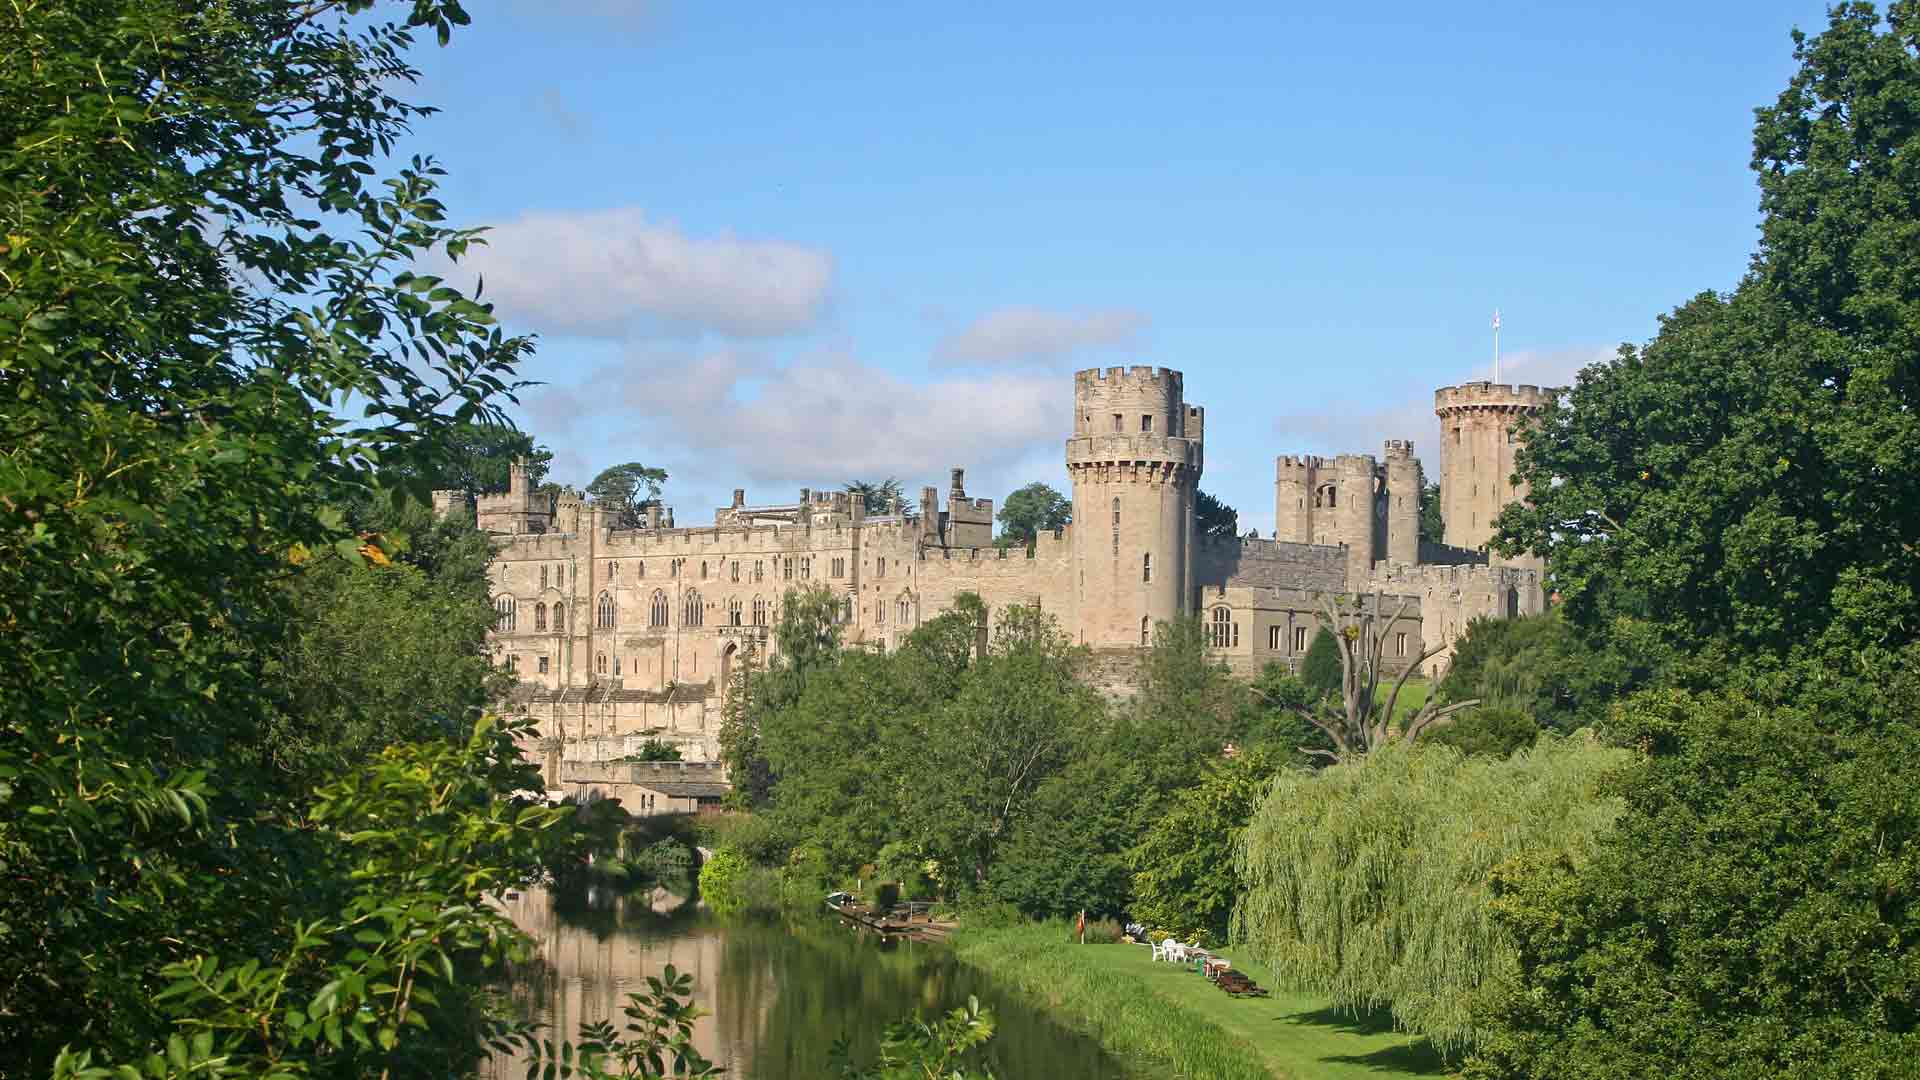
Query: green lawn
x=1114 y=990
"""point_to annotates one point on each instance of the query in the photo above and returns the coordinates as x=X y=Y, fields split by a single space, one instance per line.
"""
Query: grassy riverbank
x=1174 y=1019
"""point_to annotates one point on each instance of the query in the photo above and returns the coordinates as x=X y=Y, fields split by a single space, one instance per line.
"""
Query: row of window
x=790 y=568
x=659 y=610
x=1120 y=422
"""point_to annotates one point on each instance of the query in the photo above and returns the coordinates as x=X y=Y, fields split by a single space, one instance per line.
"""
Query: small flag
x=1496 y=318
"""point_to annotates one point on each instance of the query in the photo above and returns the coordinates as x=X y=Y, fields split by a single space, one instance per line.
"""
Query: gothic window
x=786 y=568
x=1299 y=639
x=559 y=618
x=604 y=610
x=657 y=612
x=613 y=569
x=543 y=578
x=905 y=611
x=733 y=612
x=1273 y=638
x=839 y=569
x=640 y=568
x=880 y=568
x=759 y=611
x=757 y=575
x=691 y=609
x=703 y=569
x=1146 y=631
x=1146 y=567
x=1222 y=631
x=600 y=663
x=735 y=571
x=505 y=607
x=543 y=665
x=673 y=567
x=880 y=613
x=539 y=617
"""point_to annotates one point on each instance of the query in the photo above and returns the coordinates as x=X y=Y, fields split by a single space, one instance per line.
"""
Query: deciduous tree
x=1032 y=510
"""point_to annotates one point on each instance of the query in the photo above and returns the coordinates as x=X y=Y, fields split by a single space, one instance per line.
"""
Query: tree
x=878 y=496
x=1320 y=669
x=625 y=490
x=1538 y=666
x=1368 y=881
x=1184 y=877
x=1359 y=721
x=1030 y=511
x=808 y=639
x=1188 y=706
x=1433 y=528
x=1213 y=519
x=1751 y=914
x=474 y=458
x=211 y=333
x=1739 y=489
x=1069 y=851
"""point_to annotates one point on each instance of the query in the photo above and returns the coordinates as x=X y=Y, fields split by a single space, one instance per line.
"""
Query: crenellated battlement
x=1139 y=377
x=1150 y=449
x=1355 y=465
x=1493 y=395
x=1452 y=577
x=1399 y=449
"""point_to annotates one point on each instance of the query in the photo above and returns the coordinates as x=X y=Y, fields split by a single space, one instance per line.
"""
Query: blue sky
x=776 y=246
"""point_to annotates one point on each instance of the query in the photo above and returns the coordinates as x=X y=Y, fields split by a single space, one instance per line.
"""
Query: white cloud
x=724 y=417
x=1022 y=334
x=607 y=273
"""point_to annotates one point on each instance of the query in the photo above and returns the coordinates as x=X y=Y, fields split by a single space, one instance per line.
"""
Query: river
x=778 y=996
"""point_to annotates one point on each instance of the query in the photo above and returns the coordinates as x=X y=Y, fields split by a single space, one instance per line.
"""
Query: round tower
x=1135 y=461
x=1294 y=477
x=1355 y=512
x=1479 y=422
x=1403 y=503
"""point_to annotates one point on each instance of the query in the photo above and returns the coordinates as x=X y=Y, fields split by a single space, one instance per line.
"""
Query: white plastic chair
x=1162 y=949
x=1176 y=952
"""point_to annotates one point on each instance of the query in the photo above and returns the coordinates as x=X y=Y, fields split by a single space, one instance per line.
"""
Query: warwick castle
x=619 y=635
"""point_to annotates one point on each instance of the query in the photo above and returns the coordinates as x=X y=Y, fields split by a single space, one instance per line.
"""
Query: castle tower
x=1403 y=503
x=1354 y=510
x=1294 y=480
x=1478 y=440
x=1135 y=460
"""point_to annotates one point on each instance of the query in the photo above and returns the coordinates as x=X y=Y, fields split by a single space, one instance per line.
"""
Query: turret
x=1403 y=503
x=1354 y=510
x=1135 y=466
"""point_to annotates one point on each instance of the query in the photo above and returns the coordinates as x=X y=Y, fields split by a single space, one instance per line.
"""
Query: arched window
x=657 y=614
x=539 y=617
x=543 y=577
x=600 y=663
x=605 y=611
x=504 y=606
x=703 y=569
x=1146 y=567
x=1222 y=631
x=905 y=611
x=880 y=613
x=759 y=610
x=1146 y=630
x=559 y=618
x=733 y=612
x=691 y=608
x=613 y=569
x=640 y=569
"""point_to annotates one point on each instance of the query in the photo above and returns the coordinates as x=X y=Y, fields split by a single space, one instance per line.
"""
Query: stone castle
x=624 y=634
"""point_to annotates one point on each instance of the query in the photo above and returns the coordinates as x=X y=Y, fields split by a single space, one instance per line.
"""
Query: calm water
x=779 y=997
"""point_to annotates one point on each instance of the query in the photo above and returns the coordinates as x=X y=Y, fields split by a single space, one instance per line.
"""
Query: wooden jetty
x=900 y=921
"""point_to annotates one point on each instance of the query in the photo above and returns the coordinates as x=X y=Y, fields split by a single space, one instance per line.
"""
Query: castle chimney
x=806 y=499
x=653 y=515
x=739 y=498
x=959 y=486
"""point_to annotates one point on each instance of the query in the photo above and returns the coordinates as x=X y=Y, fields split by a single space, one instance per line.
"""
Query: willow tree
x=1368 y=881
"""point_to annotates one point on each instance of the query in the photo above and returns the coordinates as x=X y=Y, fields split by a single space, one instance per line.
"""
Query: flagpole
x=1496 y=345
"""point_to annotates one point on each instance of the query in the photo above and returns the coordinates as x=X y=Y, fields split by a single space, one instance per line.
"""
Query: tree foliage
x=625 y=490
x=476 y=458
x=1320 y=669
x=213 y=342
x=1184 y=873
x=1213 y=519
x=1433 y=527
x=1540 y=667
x=878 y=496
x=1739 y=490
x=1368 y=881
x=1032 y=510
x=1754 y=913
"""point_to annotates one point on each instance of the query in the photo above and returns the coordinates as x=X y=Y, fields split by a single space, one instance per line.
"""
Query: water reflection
x=779 y=996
